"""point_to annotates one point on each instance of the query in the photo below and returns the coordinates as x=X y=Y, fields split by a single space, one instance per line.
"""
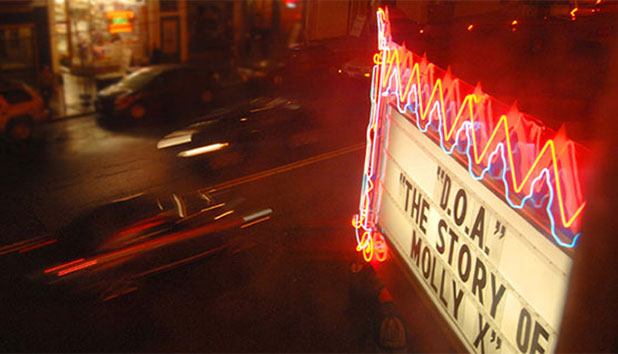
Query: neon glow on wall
x=532 y=166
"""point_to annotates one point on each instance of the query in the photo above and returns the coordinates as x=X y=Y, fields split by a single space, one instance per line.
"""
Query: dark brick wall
x=36 y=16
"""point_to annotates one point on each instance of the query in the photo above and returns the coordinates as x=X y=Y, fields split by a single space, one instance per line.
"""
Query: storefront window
x=101 y=36
x=60 y=11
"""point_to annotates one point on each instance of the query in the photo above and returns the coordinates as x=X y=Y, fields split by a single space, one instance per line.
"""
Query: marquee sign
x=482 y=202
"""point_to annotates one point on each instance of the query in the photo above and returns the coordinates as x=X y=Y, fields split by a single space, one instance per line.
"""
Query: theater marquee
x=482 y=202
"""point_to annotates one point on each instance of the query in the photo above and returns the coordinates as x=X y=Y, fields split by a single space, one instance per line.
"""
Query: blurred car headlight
x=176 y=138
x=202 y=150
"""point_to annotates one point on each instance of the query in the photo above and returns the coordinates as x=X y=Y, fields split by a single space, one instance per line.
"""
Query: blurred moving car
x=298 y=66
x=106 y=250
x=163 y=90
x=262 y=75
x=20 y=108
x=235 y=133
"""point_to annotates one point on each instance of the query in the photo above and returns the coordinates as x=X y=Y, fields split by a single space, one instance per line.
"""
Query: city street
x=284 y=288
x=287 y=292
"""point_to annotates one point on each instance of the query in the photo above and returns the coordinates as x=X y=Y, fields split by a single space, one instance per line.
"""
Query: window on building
x=2 y=44
x=14 y=41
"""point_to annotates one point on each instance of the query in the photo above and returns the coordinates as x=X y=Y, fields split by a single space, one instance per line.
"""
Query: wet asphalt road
x=286 y=289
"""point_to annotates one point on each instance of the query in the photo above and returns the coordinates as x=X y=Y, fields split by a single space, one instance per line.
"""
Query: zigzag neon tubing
x=389 y=74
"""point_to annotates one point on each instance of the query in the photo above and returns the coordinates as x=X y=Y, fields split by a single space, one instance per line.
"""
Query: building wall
x=169 y=24
x=473 y=8
x=184 y=41
x=326 y=19
x=52 y=39
x=153 y=26
x=31 y=24
x=414 y=10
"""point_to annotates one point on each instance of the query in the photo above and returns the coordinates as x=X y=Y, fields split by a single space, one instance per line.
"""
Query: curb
x=390 y=329
x=70 y=116
x=392 y=332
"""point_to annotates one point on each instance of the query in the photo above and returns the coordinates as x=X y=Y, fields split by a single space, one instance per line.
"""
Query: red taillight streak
x=38 y=245
x=77 y=267
x=171 y=238
x=19 y=245
x=143 y=225
x=111 y=256
x=64 y=265
x=8 y=247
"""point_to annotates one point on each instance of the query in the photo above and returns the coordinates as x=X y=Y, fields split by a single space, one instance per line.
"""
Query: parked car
x=313 y=59
x=20 y=109
x=230 y=135
x=164 y=90
x=107 y=250
x=357 y=69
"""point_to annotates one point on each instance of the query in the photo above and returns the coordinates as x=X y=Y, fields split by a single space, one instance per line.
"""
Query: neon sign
x=120 y=21
x=533 y=168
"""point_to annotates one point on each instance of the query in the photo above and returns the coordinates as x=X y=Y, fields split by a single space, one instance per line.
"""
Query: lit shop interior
x=100 y=36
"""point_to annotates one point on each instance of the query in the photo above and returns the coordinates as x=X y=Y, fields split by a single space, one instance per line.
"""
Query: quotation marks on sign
x=500 y=229
x=496 y=339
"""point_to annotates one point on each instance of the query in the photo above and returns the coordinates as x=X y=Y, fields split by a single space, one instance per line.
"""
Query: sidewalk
x=73 y=97
x=350 y=44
